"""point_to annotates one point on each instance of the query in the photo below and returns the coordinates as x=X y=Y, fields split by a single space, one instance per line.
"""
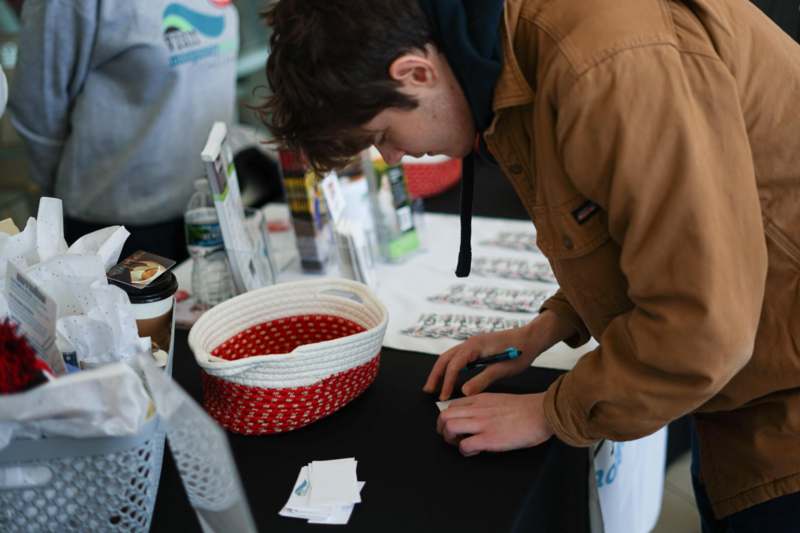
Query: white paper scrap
x=443 y=405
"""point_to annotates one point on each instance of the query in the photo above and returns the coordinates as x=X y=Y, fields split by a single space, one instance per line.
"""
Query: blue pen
x=507 y=355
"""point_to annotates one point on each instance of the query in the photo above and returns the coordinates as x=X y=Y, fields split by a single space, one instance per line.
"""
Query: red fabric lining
x=256 y=410
x=284 y=335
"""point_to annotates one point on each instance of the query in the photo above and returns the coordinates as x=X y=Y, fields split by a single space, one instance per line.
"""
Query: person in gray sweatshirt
x=115 y=99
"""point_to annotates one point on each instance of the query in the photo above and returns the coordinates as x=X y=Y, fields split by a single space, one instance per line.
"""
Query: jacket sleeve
x=55 y=49
x=559 y=305
x=658 y=140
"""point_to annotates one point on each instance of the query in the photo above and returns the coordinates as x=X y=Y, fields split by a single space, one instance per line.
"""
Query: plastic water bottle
x=212 y=281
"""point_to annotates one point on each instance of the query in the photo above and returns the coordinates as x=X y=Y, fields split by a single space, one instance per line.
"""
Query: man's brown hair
x=328 y=71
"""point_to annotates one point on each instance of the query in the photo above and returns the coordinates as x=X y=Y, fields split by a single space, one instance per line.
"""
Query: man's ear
x=414 y=70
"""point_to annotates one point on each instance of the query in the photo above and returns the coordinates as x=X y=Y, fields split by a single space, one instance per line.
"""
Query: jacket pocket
x=570 y=230
x=782 y=242
x=574 y=237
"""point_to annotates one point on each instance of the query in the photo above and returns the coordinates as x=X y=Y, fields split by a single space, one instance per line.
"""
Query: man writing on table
x=656 y=146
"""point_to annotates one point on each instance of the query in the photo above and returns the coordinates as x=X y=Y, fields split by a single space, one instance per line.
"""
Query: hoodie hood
x=467 y=32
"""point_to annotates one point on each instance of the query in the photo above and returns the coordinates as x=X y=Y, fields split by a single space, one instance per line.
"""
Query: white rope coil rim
x=308 y=363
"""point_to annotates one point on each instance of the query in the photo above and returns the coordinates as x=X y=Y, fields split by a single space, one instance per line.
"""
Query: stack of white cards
x=325 y=492
x=355 y=258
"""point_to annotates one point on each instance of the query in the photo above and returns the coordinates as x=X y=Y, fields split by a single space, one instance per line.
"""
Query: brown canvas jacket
x=656 y=146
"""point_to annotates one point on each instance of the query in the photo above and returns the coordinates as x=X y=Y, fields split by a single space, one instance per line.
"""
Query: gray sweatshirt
x=3 y=92
x=115 y=99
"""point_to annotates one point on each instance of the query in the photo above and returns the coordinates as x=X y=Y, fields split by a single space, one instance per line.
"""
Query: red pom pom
x=20 y=369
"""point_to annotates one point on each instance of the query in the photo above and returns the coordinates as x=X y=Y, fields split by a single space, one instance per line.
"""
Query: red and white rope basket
x=279 y=358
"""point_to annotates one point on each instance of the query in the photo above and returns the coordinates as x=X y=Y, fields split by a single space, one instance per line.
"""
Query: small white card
x=339 y=517
x=298 y=506
x=333 y=483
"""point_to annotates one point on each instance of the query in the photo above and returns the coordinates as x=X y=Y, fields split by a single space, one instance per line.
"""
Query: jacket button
x=568 y=244
x=516 y=168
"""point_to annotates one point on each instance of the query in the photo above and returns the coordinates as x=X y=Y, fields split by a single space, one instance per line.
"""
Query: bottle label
x=208 y=236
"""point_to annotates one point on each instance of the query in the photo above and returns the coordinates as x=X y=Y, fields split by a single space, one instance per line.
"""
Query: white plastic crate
x=100 y=484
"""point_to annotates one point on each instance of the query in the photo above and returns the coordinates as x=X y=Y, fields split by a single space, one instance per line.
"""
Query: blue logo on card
x=302 y=488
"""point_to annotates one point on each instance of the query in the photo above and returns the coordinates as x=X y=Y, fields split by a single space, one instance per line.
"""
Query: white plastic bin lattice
x=78 y=485
x=210 y=481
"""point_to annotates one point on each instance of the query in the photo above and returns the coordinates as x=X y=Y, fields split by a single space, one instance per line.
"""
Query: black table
x=414 y=480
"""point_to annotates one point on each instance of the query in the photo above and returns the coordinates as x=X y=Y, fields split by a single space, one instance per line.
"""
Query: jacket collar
x=512 y=87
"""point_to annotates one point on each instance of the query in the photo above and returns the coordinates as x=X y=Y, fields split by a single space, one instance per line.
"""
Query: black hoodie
x=468 y=33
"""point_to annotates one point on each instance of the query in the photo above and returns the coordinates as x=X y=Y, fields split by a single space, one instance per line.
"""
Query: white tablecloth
x=405 y=288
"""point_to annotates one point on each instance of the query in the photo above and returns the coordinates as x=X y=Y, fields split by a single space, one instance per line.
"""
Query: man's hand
x=495 y=423
x=451 y=362
x=532 y=339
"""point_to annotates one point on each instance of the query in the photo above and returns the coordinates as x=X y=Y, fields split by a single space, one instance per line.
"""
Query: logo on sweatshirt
x=190 y=35
x=179 y=18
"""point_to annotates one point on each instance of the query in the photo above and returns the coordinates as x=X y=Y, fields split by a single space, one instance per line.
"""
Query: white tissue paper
x=106 y=243
x=107 y=331
x=50 y=229
x=107 y=401
x=66 y=279
x=94 y=318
